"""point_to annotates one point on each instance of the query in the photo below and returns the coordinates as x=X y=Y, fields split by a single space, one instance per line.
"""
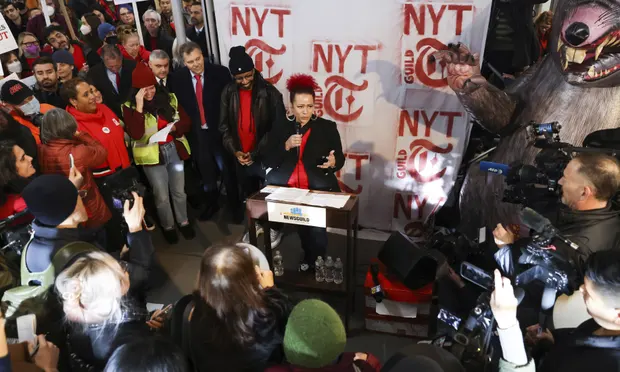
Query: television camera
x=471 y=341
x=537 y=185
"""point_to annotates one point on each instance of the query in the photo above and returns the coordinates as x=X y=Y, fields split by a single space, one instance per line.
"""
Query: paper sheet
x=150 y=307
x=288 y=194
x=27 y=328
x=269 y=189
x=400 y=309
x=326 y=200
x=162 y=134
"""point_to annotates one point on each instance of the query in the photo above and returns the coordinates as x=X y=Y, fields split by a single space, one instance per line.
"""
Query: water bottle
x=319 y=270
x=278 y=269
x=338 y=273
x=329 y=270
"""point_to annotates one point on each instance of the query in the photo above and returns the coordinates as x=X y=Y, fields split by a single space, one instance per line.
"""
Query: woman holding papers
x=154 y=112
x=305 y=152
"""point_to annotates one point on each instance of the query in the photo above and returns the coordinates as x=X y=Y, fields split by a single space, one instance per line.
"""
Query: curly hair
x=301 y=84
x=8 y=169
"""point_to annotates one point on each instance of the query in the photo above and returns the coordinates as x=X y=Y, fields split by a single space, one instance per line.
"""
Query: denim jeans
x=168 y=178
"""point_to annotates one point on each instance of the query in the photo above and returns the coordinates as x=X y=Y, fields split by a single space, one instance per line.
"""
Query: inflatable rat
x=577 y=85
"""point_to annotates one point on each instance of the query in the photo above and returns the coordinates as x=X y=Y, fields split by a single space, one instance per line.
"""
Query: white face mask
x=85 y=29
x=50 y=10
x=31 y=108
x=15 y=67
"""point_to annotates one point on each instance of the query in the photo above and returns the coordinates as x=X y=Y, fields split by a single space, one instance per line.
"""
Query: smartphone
x=166 y=310
x=71 y=161
x=477 y=276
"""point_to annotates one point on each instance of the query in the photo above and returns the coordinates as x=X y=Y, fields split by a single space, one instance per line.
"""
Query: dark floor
x=179 y=267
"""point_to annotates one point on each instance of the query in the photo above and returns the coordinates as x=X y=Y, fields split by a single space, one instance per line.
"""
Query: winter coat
x=323 y=139
x=210 y=352
x=105 y=127
x=267 y=106
x=87 y=154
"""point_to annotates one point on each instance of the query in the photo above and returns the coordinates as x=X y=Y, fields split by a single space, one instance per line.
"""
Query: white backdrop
x=402 y=129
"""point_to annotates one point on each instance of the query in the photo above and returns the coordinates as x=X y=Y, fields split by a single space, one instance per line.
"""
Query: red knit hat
x=142 y=76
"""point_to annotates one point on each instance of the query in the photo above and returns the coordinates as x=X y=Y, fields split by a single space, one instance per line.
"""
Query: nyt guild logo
x=262 y=54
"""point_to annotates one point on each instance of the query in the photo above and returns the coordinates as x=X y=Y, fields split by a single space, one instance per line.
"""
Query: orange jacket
x=36 y=132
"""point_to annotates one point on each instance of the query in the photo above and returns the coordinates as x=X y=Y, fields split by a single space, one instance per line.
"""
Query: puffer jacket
x=267 y=106
x=105 y=127
x=87 y=154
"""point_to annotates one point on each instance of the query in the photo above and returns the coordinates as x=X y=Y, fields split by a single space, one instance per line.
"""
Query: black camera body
x=119 y=196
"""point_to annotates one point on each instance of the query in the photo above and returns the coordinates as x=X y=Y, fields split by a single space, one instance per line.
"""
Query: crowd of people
x=78 y=162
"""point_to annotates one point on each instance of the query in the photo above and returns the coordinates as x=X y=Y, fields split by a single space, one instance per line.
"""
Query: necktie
x=201 y=108
x=118 y=82
x=162 y=83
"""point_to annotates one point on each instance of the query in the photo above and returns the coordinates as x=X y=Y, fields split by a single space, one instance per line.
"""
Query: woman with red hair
x=305 y=152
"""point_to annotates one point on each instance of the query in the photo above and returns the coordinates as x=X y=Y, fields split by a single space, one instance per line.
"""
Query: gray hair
x=152 y=13
x=110 y=51
x=57 y=124
x=158 y=54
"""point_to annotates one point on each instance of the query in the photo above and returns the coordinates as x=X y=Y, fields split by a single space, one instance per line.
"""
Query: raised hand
x=463 y=67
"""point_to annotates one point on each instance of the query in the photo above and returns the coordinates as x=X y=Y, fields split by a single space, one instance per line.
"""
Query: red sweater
x=106 y=128
x=299 y=177
x=143 y=54
x=246 y=127
x=134 y=122
x=87 y=153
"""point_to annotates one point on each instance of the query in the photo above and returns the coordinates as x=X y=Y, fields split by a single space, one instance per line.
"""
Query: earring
x=290 y=117
x=314 y=117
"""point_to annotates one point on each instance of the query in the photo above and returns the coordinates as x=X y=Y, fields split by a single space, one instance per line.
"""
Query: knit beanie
x=240 y=62
x=104 y=29
x=314 y=335
x=51 y=199
x=142 y=77
x=63 y=56
x=15 y=92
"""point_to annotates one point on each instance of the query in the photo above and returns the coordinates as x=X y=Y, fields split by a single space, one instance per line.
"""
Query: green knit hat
x=314 y=335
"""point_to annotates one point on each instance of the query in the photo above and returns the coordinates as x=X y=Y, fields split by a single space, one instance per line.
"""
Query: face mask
x=111 y=40
x=50 y=10
x=85 y=29
x=32 y=51
x=15 y=67
x=31 y=108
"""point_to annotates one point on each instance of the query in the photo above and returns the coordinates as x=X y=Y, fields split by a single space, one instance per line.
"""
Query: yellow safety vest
x=148 y=154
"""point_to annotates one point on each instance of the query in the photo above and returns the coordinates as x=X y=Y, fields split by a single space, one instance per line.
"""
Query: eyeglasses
x=31 y=43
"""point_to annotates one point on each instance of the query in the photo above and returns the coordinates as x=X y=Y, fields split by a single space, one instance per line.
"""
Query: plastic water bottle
x=329 y=270
x=278 y=269
x=338 y=271
x=319 y=270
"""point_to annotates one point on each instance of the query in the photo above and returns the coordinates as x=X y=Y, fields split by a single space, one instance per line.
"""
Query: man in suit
x=156 y=37
x=197 y=31
x=113 y=77
x=202 y=103
x=159 y=62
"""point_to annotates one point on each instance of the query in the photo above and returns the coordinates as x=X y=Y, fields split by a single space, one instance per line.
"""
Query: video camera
x=533 y=185
x=471 y=342
x=14 y=237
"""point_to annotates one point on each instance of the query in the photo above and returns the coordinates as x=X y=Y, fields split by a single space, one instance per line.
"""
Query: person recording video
x=588 y=216
x=593 y=343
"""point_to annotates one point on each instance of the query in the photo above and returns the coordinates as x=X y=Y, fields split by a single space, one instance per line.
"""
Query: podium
x=346 y=217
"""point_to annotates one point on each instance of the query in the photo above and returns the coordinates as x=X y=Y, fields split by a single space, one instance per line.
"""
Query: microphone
x=496 y=168
x=297 y=130
x=534 y=220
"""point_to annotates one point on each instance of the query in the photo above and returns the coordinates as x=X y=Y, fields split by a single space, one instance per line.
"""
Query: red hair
x=301 y=84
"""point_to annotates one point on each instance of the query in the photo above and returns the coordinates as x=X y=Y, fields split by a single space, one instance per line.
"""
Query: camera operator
x=595 y=342
x=58 y=210
x=588 y=216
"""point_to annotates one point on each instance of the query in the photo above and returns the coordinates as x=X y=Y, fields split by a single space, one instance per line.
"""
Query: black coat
x=216 y=78
x=267 y=106
x=198 y=38
x=164 y=42
x=51 y=98
x=15 y=29
x=594 y=230
x=99 y=77
x=579 y=350
x=213 y=350
x=323 y=139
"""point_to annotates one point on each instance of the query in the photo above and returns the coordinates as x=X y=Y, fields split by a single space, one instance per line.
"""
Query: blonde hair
x=20 y=40
x=124 y=32
x=92 y=289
